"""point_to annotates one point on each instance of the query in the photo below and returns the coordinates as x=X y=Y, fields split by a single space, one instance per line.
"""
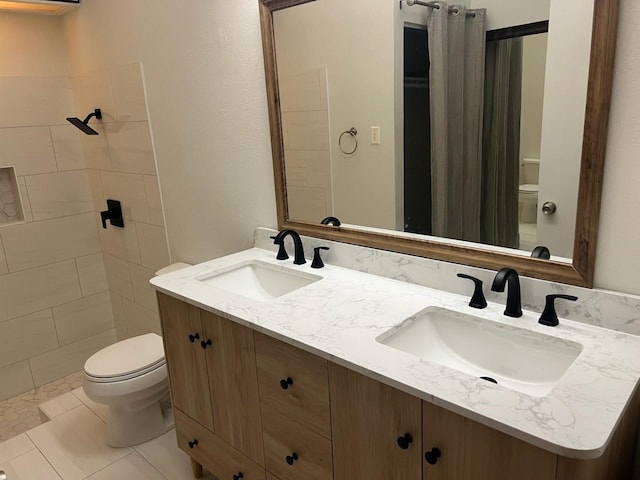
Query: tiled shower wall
x=55 y=309
x=121 y=166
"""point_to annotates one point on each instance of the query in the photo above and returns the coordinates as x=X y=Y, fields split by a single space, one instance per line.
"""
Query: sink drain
x=489 y=379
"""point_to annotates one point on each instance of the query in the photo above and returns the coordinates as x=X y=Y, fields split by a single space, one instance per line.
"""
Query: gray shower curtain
x=501 y=143
x=456 y=51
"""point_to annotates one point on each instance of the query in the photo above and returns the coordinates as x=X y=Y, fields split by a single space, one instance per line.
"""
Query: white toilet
x=131 y=378
x=528 y=191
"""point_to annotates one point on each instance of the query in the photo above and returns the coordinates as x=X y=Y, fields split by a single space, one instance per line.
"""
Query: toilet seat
x=125 y=360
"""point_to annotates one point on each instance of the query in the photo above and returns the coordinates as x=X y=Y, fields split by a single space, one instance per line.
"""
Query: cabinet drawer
x=306 y=399
x=222 y=460
x=282 y=437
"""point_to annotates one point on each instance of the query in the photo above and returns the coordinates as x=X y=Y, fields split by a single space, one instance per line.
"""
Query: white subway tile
x=93 y=278
x=15 y=379
x=27 y=336
x=154 y=201
x=67 y=145
x=140 y=320
x=96 y=150
x=128 y=93
x=129 y=189
x=68 y=359
x=91 y=91
x=83 y=318
x=142 y=291
x=154 y=252
x=41 y=243
x=29 y=149
x=119 y=242
x=117 y=307
x=95 y=184
x=37 y=289
x=59 y=194
x=28 y=101
x=118 y=276
x=130 y=147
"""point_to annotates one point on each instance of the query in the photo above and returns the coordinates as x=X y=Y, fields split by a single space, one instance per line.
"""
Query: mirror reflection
x=468 y=117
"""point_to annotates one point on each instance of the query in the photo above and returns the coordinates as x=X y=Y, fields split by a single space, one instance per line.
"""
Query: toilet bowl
x=528 y=200
x=130 y=377
x=528 y=191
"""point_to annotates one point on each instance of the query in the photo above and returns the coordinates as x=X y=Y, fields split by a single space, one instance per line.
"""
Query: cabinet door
x=471 y=451
x=185 y=359
x=367 y=419
x=233 y=383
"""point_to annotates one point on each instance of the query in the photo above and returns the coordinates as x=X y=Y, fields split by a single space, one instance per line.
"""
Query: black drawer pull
x=432 y=456
x=404 y=441
x=194 y=337
x=192 y=443
x=285 y=382
x=238 y=476
x=206 y=344
x=290 y=459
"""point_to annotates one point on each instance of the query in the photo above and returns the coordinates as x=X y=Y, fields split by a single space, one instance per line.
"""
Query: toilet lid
x=529 y=188
x=127 y=358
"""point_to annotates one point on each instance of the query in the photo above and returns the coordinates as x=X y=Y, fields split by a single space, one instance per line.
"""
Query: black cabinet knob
x=404 y=441
x=432 y=456
x=290 y=459
x=205 y=344
x=194 y=337
x=285 y=382
x=193 y=443
x=238 y=476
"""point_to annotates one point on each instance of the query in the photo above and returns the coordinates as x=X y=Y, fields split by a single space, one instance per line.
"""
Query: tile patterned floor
x=71 y=446
x=19 y=414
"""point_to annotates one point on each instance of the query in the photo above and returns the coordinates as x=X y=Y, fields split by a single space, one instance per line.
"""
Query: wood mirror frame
x=581 y=271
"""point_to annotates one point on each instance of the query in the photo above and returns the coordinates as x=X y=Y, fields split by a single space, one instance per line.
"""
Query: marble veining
x=613 y=310
x=340 y=316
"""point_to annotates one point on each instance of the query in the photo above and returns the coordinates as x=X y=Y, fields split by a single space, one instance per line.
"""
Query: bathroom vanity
x=282 y=372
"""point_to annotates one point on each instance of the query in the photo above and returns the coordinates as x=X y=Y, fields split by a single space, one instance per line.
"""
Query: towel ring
x=353 y=132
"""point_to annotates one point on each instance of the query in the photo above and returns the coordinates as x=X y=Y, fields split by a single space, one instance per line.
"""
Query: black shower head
x=84 y=124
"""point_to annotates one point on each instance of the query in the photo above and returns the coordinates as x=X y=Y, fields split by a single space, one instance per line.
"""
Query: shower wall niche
x=10 y=205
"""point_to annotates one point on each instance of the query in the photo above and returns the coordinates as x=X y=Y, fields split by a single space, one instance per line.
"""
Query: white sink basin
x=519 y=359
x=259 y=281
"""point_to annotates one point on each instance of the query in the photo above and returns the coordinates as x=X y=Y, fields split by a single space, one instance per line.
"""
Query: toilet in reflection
x=131 y=378
x=528 y=191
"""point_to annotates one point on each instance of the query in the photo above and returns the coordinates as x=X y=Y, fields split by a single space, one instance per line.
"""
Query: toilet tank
x=531 y=169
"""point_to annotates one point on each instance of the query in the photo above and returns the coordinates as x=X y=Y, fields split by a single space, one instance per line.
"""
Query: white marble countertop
x=340 y=316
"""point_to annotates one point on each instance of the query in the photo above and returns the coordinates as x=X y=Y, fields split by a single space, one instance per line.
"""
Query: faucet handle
x=477 y=300
x=282 y=252
x=317 y=260
x=549 y=316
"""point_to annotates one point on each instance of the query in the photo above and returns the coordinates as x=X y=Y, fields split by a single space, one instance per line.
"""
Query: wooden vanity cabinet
x=471 y=451
x=368 y=419
x=263 y=408
x=214 y=385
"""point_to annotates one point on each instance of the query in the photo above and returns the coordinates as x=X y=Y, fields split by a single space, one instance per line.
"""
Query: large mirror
x=469 y=132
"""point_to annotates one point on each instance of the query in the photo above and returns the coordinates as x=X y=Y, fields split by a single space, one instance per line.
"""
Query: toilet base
x=127 y=427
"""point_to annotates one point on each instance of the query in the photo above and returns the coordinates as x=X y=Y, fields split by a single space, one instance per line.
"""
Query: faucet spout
x=297 y=245
x=509 y=277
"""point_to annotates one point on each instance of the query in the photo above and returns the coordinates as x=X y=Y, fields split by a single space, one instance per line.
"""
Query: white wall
x=618 y=261
x=358 y=54
x=534 y=53
x=501 y=13
x=207 y=102
x=206 y=91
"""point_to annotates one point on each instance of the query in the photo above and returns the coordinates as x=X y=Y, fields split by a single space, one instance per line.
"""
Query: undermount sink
x=516 y=358
x=258 y=280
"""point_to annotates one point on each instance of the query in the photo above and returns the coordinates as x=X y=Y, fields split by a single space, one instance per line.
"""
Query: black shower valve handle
x=113 y=213
x=477 y=300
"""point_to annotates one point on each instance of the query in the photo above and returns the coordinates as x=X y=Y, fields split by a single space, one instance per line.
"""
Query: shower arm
x=96 y=113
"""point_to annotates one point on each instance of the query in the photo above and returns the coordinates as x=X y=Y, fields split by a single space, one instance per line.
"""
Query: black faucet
x=297 y=245
x=510 y=276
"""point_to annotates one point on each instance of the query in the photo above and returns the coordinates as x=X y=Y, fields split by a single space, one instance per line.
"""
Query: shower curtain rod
x=436 y=6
